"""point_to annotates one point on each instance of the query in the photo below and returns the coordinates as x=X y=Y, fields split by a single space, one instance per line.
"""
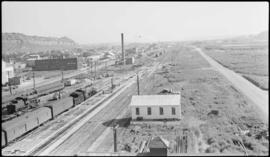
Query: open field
x=251 y=61
x=219 y=118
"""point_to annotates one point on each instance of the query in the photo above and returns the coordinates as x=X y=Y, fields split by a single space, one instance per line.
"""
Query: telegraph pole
x=34 y=84
x=10 y=90
x=95 y=69
x=106 y=67
x=62 y=72
x=112 y=82
x=115 y=137
x=138 y=83
x=123 y=49
x=91 y=67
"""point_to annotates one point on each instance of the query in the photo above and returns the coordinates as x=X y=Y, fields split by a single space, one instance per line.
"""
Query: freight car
x=59 y=106
x=21 y=125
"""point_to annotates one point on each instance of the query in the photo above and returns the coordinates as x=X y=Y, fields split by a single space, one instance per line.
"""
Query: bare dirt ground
x=219 y=118
x=251 y=61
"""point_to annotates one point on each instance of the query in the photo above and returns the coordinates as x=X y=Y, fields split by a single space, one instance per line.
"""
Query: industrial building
x=7 y=72
x=155 y=107
x=56 y=64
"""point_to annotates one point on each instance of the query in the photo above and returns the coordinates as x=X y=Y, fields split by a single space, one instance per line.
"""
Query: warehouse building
x=155 y=107
x=56 y=64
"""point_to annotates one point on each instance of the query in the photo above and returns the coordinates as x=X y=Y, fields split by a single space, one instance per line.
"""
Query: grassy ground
x=212 y=109
x=250 y=61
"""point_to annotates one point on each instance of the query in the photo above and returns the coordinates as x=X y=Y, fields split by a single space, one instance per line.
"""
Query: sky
x=103 y=22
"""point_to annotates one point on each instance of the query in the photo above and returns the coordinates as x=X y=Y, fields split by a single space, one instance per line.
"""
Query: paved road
x=255 y=94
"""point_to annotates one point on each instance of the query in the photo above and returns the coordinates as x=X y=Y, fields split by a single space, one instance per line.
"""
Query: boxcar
x=14 y=128
x=20 y=125
x=42 y=115
x=30 y=121
x=59 y=106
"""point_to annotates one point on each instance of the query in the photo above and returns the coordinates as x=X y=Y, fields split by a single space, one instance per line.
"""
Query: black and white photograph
x=138 y=78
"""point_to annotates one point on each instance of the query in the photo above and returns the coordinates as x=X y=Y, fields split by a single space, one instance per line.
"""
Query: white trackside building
x=156 y=107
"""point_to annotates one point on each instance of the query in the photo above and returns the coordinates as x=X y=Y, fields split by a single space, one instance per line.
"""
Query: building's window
x=137 y=111
x=149 y=110
x=173 y=110
x=161 y=111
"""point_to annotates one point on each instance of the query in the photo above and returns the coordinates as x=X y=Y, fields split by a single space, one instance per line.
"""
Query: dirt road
x=255 y=94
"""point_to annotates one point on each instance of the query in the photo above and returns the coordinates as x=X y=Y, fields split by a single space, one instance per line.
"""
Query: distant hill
x=262 y=36
x=17 y=42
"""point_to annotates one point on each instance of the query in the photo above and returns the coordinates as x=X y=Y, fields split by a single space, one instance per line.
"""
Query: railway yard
x=217 y=116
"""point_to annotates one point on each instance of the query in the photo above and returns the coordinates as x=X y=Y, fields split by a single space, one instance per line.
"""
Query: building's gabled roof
x=158 y=142
x=155 y=100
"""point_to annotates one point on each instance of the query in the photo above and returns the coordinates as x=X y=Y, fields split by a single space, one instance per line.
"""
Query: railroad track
x=47 y=82
x=63 y=131
x=96 y=127
x=37 y=133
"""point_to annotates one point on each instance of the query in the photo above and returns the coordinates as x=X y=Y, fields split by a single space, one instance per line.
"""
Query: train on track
x=21 y=125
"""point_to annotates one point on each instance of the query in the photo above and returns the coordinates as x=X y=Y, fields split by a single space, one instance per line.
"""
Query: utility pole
x=106 y=67
x=95 y=69
x=10 y=90
x=62 y=72
x=123 y=49
x=138 y=83
x=34 y=84
x=91 y=67
x=112 y=82
x=115 y=137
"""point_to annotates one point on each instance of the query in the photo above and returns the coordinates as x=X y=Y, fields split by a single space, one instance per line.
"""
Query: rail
x=50 y=140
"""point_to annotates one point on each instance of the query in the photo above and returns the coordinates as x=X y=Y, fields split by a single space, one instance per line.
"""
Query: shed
x=158 y=146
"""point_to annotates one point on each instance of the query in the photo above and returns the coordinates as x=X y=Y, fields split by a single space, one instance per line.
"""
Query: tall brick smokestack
x=123 y=49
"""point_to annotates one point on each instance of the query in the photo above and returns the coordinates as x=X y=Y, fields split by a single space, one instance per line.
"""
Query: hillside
x=17 y=42
x=262 y=36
